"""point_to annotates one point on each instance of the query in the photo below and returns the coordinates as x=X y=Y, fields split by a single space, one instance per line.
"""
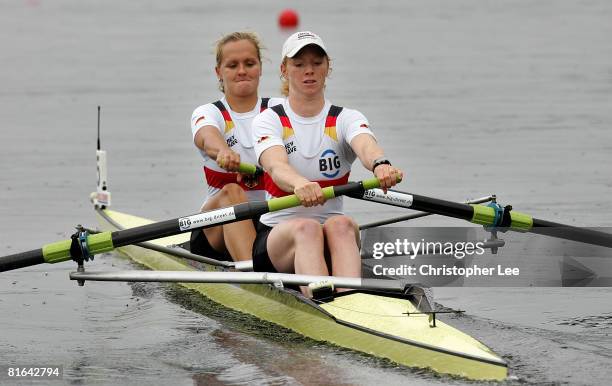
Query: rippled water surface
x=469 y=97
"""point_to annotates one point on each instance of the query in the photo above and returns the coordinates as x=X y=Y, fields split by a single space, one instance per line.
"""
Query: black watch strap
x=380 y=161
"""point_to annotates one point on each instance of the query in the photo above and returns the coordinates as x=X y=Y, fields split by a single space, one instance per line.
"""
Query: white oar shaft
x=238 y=278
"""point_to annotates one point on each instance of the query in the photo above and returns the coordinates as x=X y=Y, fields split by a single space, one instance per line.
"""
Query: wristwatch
x=380 y=161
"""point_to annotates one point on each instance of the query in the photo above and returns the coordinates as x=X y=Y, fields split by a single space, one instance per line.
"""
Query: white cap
x=299 y=40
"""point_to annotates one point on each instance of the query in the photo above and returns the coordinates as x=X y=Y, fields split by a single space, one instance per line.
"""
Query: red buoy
x=288 y=19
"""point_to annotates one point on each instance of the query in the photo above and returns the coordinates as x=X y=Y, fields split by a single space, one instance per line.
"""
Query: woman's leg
x=296 y=246
x=236 y=238
x=341 y=237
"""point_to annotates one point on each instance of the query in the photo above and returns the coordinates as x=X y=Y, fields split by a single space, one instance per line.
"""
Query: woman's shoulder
x=212 y=107
x=207 y=115
x=267 y=120
x=273 y=101
x=350 y=115
x=268 y=115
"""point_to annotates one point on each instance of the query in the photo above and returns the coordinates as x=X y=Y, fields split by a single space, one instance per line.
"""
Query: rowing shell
x=382 y=324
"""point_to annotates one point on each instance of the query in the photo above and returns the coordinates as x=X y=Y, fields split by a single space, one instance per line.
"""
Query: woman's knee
x=339 y=225
x=305 y=228
x=287 y=236
x=232 y=194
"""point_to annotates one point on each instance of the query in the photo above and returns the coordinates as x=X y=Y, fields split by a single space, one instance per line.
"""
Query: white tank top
x=236 y=130
x=317 y=147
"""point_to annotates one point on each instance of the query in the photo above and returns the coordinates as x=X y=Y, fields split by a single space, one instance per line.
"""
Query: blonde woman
x=222 y=133
x=304 y=144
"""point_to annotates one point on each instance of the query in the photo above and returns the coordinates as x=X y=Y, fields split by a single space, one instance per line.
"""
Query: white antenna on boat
x=101 y=197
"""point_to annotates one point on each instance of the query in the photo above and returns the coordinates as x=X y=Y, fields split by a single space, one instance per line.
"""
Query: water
x=469 y=97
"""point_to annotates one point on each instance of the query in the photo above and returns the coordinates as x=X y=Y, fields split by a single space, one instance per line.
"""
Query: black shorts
x=199 y=245
x=261 y=259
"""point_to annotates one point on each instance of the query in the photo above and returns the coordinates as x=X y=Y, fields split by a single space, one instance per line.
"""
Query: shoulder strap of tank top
x=229 y=124
x=334 y=111
x=218 y=104
x=287 y=128
x=330 y=122
x=278 y=109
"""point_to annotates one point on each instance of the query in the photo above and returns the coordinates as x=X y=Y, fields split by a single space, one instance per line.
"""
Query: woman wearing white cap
x=304 y=144
x=222 y=133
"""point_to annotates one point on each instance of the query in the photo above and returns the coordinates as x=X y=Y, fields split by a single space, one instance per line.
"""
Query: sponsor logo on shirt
x=290 y=147
x=329 y=164
x=364 y=125
x=231 y=141
x=264 y=138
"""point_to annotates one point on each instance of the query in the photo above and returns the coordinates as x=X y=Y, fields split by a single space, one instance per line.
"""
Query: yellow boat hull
x=374 y=323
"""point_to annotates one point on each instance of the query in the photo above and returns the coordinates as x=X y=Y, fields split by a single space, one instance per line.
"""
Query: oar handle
x=329 y=192
x=246 y=168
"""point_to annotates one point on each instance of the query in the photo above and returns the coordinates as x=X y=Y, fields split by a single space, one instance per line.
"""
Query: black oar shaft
x=443 y=207
x=568 y=232
x=21 y=260
x=418 y=202
x=414 y=216
x=486 y=215
x=175 y=226
x=107 y=241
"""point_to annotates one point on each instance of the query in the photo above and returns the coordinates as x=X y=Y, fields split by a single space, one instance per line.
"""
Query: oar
x=423 y=295
x=87 y=245
x=244 y=265
x=492 y=215
x=244 y=278
x=414 y=216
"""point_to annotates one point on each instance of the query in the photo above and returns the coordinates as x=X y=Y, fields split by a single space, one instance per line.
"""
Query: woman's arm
x=209 y=140
x=368 y=151
x=275 y=161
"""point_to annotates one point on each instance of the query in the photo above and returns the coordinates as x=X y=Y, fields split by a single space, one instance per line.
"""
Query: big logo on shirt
x=329 y=164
